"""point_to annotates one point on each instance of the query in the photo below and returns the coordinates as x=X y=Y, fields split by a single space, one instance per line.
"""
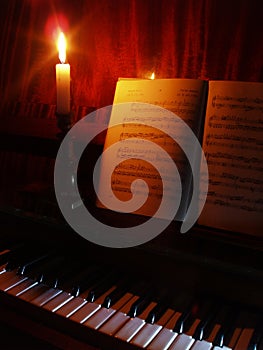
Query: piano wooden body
x=205 y=265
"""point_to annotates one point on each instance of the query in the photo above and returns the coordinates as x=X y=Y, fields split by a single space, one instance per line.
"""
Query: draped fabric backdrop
x=208 y=39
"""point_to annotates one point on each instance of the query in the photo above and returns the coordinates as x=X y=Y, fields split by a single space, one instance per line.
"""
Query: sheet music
x=181 y=96
x=233 y=144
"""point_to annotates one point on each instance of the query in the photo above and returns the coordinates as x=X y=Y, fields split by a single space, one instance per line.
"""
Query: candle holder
x=64 y=123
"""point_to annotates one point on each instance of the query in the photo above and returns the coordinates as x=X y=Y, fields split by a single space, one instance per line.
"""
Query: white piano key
x=114 y=323
x=34 y=292
x=172 y=321
x=102 y=315
x=150 y=331
x=244 y=339
x=71 y=307
x=166 y=317
x=9 y=280
x=89 y=309
x=201 y=345
x=222 y=348
x=3 y=264
x=2 y=269
x=166 y=336
x=60 y=300
x=12 y=283
x=123 y=301
x=146 y=335
x=118 y=319
x=22 y=287
x=234 y=337
x=211 y=337
x=193 y=327
x=7 y=275
x=46 y=296
x=85 y=312
x=132 y=327
x=163 y=340
x=182 y=342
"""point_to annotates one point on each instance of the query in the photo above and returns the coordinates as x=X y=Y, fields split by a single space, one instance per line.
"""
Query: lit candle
x=152 y=77
x=63 y=78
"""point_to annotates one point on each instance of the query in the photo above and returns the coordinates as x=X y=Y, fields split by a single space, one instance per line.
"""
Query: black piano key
x=18 y=253
x=242 y=327
x=4 y=257
x=156 y=320
x=227 y=326
x=22 y=256
x=5 y=243
x=187 y=317
x=74 y=274
x=60 y=274
x=215 y=323
x=121 y=317
x=104 y=314
x=86 y=281
x=117 y=294
x=156 y=313
x=48 y=268
x=51 y=277
x=27 y=265
x=134 y=320
x=10 y=246
x=139 y=305
x=208 y=314
x=90 y=308
x=257 y=338
x=256 y=342
x=102 y=286
x=66 y=278
x=3 y=246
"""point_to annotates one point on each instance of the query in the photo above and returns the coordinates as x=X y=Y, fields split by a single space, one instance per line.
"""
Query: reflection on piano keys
x=126 y=309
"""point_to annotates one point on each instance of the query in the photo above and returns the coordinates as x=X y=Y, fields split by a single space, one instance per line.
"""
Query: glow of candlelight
x=62 y=45
x=62 y=78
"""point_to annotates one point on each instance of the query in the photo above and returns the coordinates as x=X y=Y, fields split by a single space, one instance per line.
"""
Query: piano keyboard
x=123 y=308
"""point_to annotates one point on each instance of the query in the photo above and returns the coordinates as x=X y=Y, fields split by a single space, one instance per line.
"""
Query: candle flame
x=61 y=44
x=152 y=76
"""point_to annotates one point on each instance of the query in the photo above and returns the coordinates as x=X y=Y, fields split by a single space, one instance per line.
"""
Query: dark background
x=208 y=39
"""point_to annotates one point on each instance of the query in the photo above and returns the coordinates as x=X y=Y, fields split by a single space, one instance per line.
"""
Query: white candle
x=63 y=78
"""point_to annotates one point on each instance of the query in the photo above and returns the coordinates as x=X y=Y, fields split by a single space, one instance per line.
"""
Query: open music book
x=227 y=119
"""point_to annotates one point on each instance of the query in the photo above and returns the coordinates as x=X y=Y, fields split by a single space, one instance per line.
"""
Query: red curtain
x=209 y=39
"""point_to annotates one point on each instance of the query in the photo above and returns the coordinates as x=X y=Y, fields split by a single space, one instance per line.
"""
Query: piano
x=200 y=290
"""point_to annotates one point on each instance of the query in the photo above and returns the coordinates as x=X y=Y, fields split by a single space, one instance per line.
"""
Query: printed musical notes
x=233 y=144
x=246 y=103
x=144 y=124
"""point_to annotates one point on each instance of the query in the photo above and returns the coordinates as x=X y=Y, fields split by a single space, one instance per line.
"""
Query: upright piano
x=199 y=290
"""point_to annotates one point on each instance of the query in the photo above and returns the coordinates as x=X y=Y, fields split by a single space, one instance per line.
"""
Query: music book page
x=233 y=146
x=182 y=97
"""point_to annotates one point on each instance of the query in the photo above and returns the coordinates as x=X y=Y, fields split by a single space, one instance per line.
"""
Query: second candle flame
x=61 y=44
